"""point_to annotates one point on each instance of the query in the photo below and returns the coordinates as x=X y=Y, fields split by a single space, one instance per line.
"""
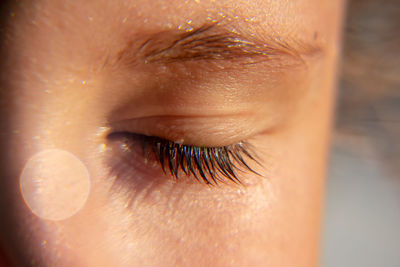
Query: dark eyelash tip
x=209 y=165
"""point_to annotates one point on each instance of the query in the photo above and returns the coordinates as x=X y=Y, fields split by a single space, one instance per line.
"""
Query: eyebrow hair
x=211 y=42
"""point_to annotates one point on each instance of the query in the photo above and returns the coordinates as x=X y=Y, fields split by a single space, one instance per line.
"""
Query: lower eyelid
x=131 y=172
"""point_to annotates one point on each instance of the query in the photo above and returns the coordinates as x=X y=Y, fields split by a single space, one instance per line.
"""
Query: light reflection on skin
x=55 y=184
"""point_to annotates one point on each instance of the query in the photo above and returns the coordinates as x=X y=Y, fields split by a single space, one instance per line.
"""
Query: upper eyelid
x=213 y=42
x=198 y=131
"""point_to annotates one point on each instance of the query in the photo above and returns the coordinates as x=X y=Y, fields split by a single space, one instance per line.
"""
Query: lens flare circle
x=55 y=184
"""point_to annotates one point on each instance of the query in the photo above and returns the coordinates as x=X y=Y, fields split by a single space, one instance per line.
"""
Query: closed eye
x=209 y=165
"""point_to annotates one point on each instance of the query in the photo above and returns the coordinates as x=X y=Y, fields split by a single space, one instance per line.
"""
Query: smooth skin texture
x=66 y=86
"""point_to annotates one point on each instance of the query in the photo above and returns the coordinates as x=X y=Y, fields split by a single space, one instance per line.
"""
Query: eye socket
x=208 y=165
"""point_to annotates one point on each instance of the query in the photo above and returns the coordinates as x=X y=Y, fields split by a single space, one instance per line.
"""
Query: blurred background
x=362 y=209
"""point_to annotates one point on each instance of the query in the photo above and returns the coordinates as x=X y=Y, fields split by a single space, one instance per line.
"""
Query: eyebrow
x=211 y=42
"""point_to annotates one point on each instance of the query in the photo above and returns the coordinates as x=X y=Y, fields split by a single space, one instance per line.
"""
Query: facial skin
x=73 y=72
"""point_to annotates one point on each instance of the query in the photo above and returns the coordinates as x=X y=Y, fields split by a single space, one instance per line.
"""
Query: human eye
x=204 y=94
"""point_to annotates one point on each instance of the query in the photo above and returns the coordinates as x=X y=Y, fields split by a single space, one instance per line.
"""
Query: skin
x=56 y=94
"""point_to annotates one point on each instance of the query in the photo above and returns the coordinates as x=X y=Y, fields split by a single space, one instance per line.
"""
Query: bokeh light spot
x=55 y=184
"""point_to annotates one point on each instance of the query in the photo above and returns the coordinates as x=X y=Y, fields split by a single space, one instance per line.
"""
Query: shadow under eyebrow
x=210 y=42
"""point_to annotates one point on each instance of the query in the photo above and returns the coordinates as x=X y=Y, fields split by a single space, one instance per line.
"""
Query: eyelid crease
x=199 y=131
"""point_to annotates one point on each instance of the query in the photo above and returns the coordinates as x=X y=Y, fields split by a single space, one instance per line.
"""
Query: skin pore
x=196 y=73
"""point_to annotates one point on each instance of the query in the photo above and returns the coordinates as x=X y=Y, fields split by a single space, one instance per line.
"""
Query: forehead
x=109 y=18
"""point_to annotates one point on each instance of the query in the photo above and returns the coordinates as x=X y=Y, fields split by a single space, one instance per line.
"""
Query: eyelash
x=209 y=165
